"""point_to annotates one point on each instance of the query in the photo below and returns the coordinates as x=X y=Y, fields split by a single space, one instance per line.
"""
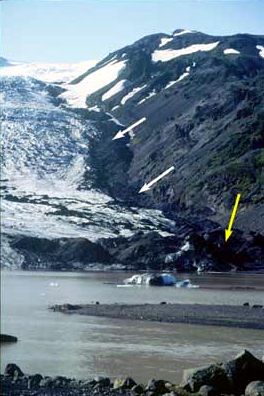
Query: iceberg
x=157 y=279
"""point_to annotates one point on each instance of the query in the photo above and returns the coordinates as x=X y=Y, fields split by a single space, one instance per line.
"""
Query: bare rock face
x=244 y=369
x=230 y=377
x=213 y=375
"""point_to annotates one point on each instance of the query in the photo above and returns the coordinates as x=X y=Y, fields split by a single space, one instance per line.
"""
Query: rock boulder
x=255 y=388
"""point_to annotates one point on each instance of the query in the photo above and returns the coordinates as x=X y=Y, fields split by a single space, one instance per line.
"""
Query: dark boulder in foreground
x=7 y=338
x=242 y=375
x=13 y=371
x=228 y=377
x=255 y=388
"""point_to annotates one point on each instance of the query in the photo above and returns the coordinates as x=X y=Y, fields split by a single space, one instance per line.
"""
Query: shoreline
x=249 y=317
x=244 y=374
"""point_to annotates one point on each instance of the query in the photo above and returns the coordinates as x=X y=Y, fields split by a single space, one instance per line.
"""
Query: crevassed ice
x=46 y=174
x=48 y=72
x=169 y=54
x=229 y=51
x=76 y=94
x=118 y=87
x=131 y=94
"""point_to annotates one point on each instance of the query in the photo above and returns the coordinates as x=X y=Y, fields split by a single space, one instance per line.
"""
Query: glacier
x=47 y=182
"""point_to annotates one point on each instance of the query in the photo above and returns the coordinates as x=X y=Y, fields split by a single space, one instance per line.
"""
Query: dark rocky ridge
x=209 y=126
x=193 y=246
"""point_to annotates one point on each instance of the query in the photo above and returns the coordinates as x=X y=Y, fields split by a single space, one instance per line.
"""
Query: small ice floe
x=186 y=283
x=125 y=285
x=54 y=284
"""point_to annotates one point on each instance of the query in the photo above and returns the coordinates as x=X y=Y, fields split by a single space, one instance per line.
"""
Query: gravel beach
x=251 y=317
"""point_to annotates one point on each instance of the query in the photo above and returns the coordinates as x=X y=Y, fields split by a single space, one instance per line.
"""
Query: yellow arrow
x=228 y=231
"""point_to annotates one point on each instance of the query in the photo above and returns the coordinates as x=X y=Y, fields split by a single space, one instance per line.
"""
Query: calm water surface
x=77 y=346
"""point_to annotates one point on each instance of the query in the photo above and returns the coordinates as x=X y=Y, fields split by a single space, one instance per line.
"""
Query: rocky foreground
x=244 y=375
x=251 y=317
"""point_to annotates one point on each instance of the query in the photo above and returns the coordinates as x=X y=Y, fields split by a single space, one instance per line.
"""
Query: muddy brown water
x=79 y=346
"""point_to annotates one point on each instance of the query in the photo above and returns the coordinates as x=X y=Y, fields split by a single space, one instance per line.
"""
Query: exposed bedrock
x=191 y=248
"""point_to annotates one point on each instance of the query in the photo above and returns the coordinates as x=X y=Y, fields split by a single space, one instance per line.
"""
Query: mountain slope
x=71 y=192
x=203 y=100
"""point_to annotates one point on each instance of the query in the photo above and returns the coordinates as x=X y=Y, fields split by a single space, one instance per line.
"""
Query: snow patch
x=131 y=94
x=170 y=84
x=229 y=51
x=118 y=87
x=185 y=31
x=184 y=75
x=147 y=97
x=94 y=108
x=169 y=54
x=76 y=94
x=165 y=40
x=129 y=129
x=261 y=50
x=114 y=119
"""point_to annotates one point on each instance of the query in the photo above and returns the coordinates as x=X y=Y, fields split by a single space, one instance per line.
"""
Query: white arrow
x=121 y=134
x=147 y=186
